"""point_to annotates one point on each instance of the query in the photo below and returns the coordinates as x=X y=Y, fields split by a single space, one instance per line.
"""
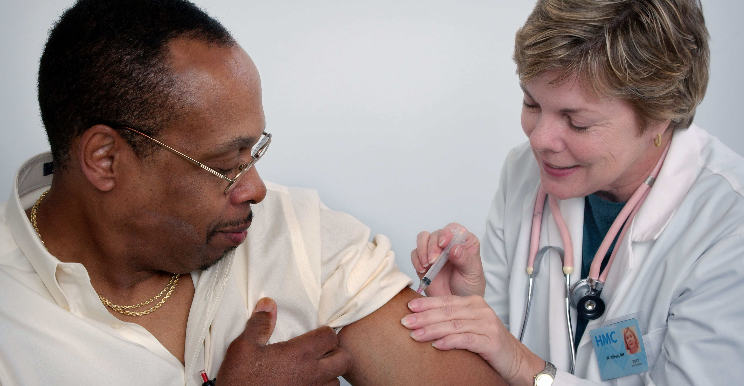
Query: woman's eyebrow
x=525 y=91
x=562 y=111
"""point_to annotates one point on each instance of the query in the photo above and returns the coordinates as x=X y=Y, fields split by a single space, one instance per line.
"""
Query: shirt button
x=67 y=270
x=116 y=325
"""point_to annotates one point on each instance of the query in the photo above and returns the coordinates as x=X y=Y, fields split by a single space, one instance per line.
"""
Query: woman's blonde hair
x=652 y=53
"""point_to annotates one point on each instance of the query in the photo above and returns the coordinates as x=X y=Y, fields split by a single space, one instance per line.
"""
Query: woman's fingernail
x=441 y=241
x=438 y=343
x=408 y=320
x=432 y=258
x=414 y=304
x=416 y=334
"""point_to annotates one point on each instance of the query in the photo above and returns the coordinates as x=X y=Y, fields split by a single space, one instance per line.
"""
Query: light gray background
x=398 y=112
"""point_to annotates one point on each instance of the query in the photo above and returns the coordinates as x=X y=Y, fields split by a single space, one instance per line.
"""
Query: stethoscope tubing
x=538 y=260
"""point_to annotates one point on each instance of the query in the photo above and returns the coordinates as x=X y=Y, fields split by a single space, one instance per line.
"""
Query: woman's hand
x=468 y=323
x=463 y=273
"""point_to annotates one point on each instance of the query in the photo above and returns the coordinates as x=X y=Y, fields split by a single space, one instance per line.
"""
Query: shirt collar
x=675 y=179
x=31 y=180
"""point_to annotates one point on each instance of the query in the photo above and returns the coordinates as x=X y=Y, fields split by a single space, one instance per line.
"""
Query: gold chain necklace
x=165 y=293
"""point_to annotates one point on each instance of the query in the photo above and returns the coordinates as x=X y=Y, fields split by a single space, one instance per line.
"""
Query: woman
x=610 y=91
x=632 y=345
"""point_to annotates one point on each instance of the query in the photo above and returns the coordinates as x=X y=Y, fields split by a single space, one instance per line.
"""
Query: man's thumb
x=261 y=324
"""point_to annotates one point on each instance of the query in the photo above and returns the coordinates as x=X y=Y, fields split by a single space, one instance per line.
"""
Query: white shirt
x=317 y=264
x=680 y=267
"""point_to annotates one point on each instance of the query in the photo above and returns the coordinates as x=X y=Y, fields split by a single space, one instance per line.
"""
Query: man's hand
x=313 y=358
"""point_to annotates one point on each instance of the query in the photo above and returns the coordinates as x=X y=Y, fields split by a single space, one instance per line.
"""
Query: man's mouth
x=233 y=232
x=235 y=236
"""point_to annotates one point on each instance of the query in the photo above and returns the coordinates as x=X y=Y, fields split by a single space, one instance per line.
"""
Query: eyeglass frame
x=242 y=168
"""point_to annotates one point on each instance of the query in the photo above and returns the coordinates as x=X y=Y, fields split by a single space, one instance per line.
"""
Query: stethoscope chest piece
x=584 y=296
x=590 y=307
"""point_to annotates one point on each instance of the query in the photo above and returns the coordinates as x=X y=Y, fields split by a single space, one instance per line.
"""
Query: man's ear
x=99 y=152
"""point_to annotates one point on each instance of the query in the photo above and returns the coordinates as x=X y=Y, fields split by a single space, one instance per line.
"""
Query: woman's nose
x=547 y=134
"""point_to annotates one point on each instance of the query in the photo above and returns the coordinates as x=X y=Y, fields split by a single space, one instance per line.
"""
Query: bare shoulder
x=384 y=354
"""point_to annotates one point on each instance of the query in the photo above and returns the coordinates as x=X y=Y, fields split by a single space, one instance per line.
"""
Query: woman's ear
x=658 y=128
x=98 y=152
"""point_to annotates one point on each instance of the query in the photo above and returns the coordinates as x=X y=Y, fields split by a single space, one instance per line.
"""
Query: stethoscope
x=583 y=295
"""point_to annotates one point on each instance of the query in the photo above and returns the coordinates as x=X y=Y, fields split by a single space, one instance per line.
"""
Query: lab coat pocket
x=652 y=343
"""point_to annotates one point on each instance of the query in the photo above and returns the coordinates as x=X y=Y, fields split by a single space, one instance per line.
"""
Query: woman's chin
x=561 y=191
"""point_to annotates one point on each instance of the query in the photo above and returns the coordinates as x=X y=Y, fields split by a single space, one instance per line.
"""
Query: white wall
x=398 y=112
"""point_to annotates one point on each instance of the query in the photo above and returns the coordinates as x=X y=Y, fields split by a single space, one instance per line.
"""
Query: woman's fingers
x=463 y=274
x=440 y=309
x=429 y=303
x=438 y=331
x=430 y=245
x=419 y=254
x=434 y=248
x=477 y=343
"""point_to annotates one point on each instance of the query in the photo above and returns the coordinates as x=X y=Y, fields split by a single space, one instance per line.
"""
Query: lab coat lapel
x=675 y=178
x=573 y=214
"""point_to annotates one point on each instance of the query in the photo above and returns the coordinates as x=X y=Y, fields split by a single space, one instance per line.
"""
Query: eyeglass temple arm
x=174 y=151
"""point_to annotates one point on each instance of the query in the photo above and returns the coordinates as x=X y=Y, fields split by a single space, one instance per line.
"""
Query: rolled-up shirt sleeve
x=358 y=276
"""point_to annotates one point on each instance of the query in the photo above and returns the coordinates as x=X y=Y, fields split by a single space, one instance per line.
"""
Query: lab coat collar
x=675 y=179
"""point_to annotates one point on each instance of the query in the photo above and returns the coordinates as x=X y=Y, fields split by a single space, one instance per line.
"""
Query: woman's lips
x=558 y=171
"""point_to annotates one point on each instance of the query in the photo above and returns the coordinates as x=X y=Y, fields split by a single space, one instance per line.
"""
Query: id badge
x=619 y=349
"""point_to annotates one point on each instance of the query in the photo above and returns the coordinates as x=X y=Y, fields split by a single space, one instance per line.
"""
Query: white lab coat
x=680 y=268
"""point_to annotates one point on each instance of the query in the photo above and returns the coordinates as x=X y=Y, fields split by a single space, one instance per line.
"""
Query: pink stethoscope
x=583 y=295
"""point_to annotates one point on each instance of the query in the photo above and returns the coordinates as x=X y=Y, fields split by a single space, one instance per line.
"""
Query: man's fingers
x=261 y=324
x=318 y=342
x=334 y=364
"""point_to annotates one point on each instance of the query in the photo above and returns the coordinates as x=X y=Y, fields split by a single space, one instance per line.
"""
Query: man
x=137 y=267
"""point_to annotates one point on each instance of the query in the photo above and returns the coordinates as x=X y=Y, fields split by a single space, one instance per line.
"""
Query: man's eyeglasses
x=258 y=150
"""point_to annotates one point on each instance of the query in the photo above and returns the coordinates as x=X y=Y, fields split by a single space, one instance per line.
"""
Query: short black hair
x=105 y=62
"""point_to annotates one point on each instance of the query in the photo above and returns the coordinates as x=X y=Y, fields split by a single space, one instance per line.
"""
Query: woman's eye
x=577 y=128
x=529 y=106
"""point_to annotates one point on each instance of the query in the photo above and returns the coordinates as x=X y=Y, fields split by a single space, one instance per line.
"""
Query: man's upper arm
x=384 y=353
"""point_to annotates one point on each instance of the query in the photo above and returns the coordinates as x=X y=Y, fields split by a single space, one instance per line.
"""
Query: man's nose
x=249 y=188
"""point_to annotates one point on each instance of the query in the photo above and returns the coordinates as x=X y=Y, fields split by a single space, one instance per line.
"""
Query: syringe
x=458 y=237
